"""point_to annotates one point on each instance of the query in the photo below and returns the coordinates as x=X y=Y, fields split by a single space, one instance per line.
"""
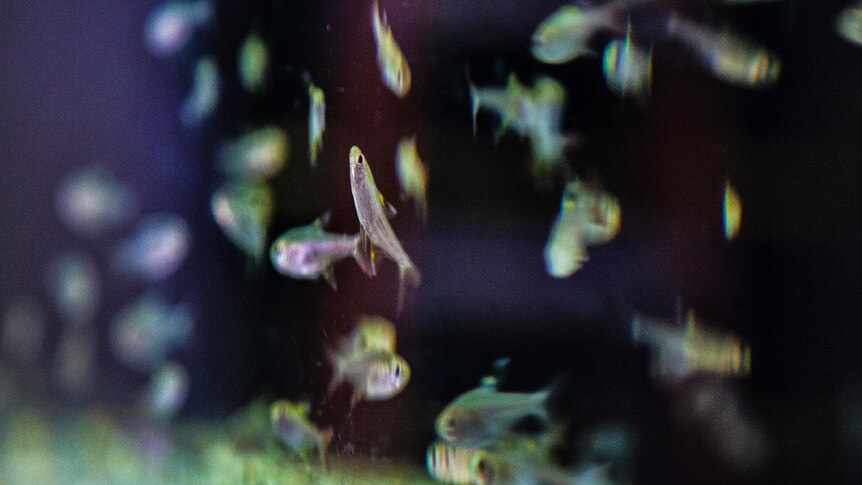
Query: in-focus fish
x=732 y=214
x=528 y=468
x=145 y=331
x=628 y=68
x=309 y=252
x=73 y=283
x=729 y=56
x=484 y=415
x=170 y=26
x=167 y=392
x=23 y=330
x=253 y=63
x=449 y=463
x=201 y=102
x=680 y=351
x=243 y=211
x=848 y=24
x=374 y=225
x=156 y=249
x=587 y=217
x=391 y=61
x=292 y=427
x=90 y=202
x=375 y=375
x=373 y=334
x=412 y=175
x=259 y=154
x=316 y=121
x=565 y=35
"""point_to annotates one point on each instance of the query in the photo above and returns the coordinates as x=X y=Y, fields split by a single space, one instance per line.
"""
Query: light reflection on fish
x=253 y=63
x=292 y=427
x=259 y=154
x=202 y=100
x=412 y=175
x=628 y=68
x=243 y=211
x=391 y=61
x=316 y=121
x=74 y=284
x=156 y=249
x=91 y=202
x=170 y=26
x=374 y=224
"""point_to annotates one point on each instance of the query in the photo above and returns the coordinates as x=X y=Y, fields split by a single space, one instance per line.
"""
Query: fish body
x=257 y=155
x=253 y=63
x=449 y=463
x=565 y=34
x=243 y=211
x=316 y=121
x=412 y=175
x=627 y=68
x=168 y=390
x=309 y=252
x=374 y=224
x=848 y=24
x=292 y=427
x=373 y=334
x=91 y=202
x=374 y=375
x=170 y=26
x=729 y=56
x=145 y=331
x=157 y=248
x=201 y=102
x=391 y=61
x=732 y=214
x=529 y=468
x=482 y=416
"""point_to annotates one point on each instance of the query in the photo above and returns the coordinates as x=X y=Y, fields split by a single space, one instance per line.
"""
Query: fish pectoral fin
x=329 y=276
x=355 y=398
x=388 y=208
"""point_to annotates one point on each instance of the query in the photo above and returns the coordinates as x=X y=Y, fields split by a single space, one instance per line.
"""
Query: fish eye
x=361 y=159
x=398 y=370
x=450 y=423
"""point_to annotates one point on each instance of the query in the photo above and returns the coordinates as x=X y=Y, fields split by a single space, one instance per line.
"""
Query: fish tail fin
x=325 y=438
x=408 y=276
x=337 y=372
x=363 y=258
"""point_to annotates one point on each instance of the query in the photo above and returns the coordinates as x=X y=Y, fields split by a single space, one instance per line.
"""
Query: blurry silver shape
x=147 y=330
x=259 y=154
x=74 y=285
x=170 y=26
x=253 y=63
x=156 y=249
x=203 y=99
x=167 y=391
x=24 y=329
x=243 y=211
x=628 y=68
x=91 y=202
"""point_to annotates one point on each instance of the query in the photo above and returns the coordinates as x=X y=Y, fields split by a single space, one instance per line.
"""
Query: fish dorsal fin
x=303 y=408
x=388 y=208
x=488 y=382
x=323 y=221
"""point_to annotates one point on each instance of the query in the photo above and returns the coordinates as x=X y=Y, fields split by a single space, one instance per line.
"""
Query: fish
x=391 y=61
x=627 y=68
x=243 y=211
x=309 y=252
x=75 y=287
x=848 y=24
x=449 y=463
x=92 y=202
x=259 y=154
x=565 y=34
x=167 y=391
x=732 y=214
x=253 y=63
x=23 y=331
x=157 y=248
x=146 y=330
x=374 y=375
x=412 y=176
x=484 y=415
x=292 y=427
x=316 y=121
x=374 y=224
x=529 y=468
x=373 y=333
x=729 y=56
x=681 y=351
x=170 y=26
x=510 y=103
x=587 y=217
x=202 y=100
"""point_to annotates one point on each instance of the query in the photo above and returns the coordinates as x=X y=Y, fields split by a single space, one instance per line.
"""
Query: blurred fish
x=146 y=330
x=848 y=24
x=292 y=428
x=587 y=217
x=412 y=175
x=484 y=415
x=253 y=63
x=91 y=202
x=309 y=252
x=628 y=68
x=74 y=360
x=565 y=35
x=23 y=330
x=393 y=66
x=683 y=351
x=374 y=225
x=729 y=56
x=375 y=375
x=316 y=121
x=259 y=154
x=449 y=463
x=243 y=211
x=156 y=249
x=373 y=334
x=732 y=214
x=73 y=283
x=170 y=26
x=204 y=96
x=519 y=468
x=168 y=389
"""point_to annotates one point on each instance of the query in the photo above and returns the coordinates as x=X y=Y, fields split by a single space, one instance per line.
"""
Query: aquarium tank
x=430 y=241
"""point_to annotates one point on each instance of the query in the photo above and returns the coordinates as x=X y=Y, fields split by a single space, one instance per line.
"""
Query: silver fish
x=529 y=468
x=373 y=333
x=201 y=102
x=390 y=59
x=170 y=26
x=628 y=68
x=157 y=248
x=309 y=252
x=449 y=463
x=412 y=175
x=374 y=375
x=565 y=34
x=253 y=63
x=91 y=202
x=145 y=331
x=374 y=225
x=257 y=155
x=74 y=284
x=167 y=392
x=243 y=211
x=316 y=121
x=292 y=427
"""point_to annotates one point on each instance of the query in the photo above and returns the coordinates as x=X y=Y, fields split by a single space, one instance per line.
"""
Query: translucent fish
x=391 y=61
x=167 y=391
x=170 y=26
x=565 y=35
x=587 y=217
x=253 y=63
x=374 y=223
x=373 y=333
x=729 y=56
x=628 y=68
x=144 y=332
x=156 y=249
x=412 y=175
x=732 y=214
x=257 y=155
x=679 y=352
x=243 y=211
x=316 y=121
x=91 y=202
x=75 y=359
x=23 y=330
x=201 y=102
x=848 y=24
x=449 y=463
x=75 y=287
x=292 y=427
x=309 y=252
